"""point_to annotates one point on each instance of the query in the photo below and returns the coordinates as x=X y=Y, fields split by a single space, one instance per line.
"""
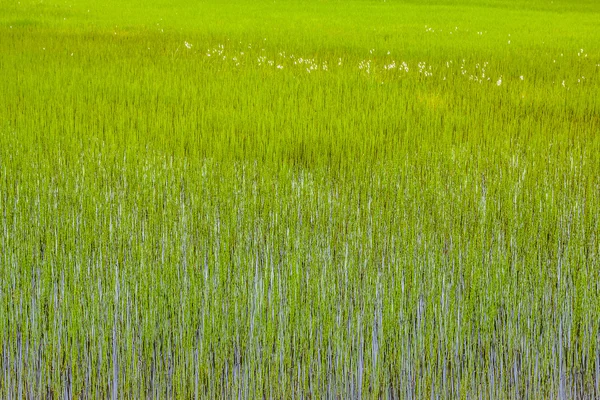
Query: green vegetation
x=283 y=199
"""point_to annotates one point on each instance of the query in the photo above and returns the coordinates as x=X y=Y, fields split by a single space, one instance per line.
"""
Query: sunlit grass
x=283 y=200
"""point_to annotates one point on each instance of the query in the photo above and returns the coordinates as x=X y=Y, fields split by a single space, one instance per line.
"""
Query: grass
x=332 y=199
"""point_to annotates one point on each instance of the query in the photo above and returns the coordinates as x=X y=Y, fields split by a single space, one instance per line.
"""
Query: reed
x=320 y=199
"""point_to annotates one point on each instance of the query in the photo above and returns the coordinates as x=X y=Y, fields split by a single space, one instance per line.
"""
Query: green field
x=300 y=199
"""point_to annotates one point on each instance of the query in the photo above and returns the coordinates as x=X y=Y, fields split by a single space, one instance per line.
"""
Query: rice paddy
x=316 y=199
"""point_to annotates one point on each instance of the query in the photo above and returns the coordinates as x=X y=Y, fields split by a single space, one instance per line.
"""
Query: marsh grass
x=182 y=218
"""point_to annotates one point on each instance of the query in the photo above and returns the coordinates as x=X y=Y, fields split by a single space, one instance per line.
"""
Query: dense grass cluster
x=316 y=199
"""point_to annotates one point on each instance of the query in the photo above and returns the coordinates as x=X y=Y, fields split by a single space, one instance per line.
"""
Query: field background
x=292 y=199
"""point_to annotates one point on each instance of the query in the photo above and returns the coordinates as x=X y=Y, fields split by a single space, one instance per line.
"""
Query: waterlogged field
x=317 y=199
